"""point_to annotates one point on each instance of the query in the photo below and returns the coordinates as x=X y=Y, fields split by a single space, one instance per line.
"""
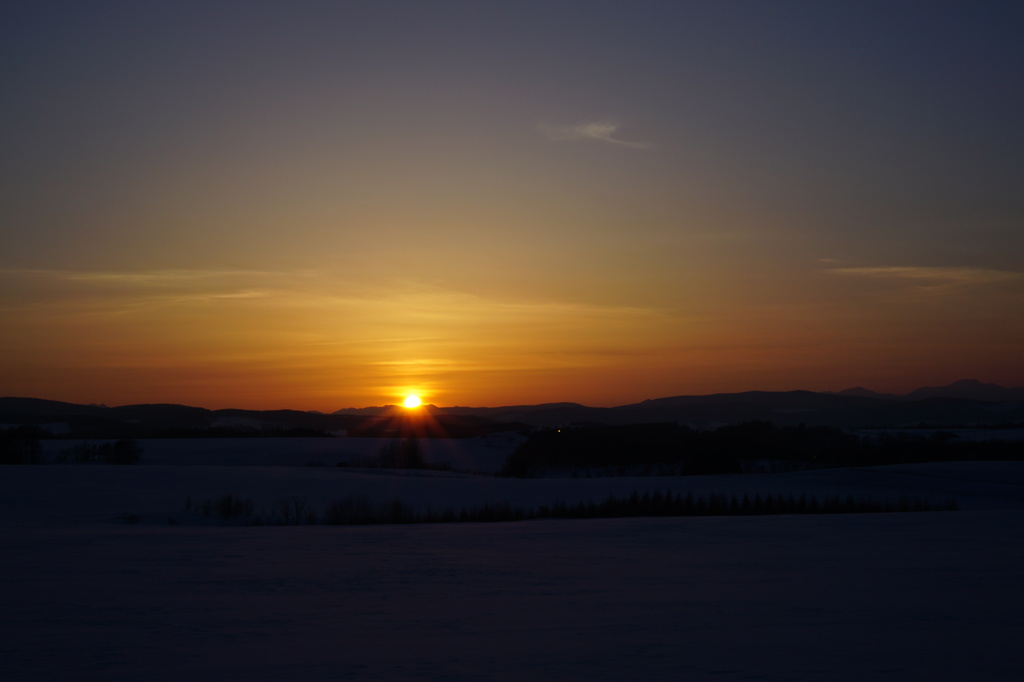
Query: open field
x=86 y=595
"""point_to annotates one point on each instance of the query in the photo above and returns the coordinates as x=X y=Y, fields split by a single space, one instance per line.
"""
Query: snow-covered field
x=86 y=596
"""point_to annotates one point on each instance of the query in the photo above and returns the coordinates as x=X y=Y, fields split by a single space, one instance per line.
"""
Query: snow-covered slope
x=86 y=596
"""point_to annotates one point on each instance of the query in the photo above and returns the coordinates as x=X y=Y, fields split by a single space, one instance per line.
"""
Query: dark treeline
x=20 y=445
x=402 y=423
x=242 y=432
x=357 y=510
x=121 y=451
x=670 y=449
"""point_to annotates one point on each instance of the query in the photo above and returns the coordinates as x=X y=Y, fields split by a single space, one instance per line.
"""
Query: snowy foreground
x=84 y=595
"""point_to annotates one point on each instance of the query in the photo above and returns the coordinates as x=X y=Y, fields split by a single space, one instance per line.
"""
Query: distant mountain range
x=963 y=403
x=966 y=389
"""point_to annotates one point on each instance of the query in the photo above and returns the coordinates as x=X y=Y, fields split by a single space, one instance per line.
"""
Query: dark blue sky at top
x=809 y=81
x=878 y=115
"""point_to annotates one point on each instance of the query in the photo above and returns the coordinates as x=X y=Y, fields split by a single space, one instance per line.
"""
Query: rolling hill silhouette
x=962 y=403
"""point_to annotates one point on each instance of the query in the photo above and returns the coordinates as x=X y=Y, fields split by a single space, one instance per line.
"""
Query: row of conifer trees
x=359 y=510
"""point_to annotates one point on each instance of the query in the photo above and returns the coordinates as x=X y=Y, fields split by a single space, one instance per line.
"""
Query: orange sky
x=336 y=204
x=311 y=341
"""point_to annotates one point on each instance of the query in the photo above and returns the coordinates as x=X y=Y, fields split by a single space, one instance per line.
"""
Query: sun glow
x=412 y=401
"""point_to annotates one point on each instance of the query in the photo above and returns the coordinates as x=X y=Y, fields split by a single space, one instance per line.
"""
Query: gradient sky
x=318 y=205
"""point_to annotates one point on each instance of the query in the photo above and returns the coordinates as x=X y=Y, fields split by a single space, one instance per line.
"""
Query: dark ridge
x=962 y=404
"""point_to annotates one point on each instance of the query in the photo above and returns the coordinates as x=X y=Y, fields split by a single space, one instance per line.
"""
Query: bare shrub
x=230 y=506
x=359 y=510
x=121 y=451
x=351 y=510
x=296 y=510
x=226 y=507
x=400 y=454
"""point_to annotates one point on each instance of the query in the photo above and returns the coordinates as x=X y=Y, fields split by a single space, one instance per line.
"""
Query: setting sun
x=412 y=401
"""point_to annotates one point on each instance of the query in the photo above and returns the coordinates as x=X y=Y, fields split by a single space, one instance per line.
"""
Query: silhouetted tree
x=404 y=453
x=122 y=451
x=20 y=445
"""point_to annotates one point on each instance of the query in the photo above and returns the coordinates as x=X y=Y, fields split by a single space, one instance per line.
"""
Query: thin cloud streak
x=929 y=277
x=169 y=277
x=277 y=335
x=401 y=307
x=603 y=131
x=307 y=289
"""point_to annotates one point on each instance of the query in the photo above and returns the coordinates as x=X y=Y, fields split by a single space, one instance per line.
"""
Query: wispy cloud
x=117 y=292
x=932 y=278
x=139 y=277
x=603 y=131
x=161 y=277
x=400 y=302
